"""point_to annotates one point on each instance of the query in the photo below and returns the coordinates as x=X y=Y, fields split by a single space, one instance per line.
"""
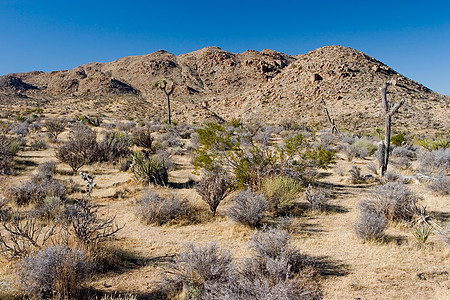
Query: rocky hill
x=265 y=86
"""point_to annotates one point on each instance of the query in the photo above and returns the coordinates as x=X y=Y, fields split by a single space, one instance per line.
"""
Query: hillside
x=260 y=86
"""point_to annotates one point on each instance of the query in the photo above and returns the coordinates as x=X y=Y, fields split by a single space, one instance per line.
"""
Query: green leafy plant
x=281 y=192
x=150 y=169
x=422 y=231
x=251 y=162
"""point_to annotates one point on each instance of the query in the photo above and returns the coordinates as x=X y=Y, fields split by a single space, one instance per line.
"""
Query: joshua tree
x=384 y=146
x=167 y=89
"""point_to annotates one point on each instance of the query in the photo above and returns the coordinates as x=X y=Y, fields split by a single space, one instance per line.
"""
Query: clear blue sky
x=412 y=37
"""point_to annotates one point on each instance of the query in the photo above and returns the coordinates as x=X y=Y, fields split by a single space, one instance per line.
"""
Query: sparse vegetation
x=56 y=271
x=80 y=149
x=154 y=209
x=280 y=192
x=214 y=189
x=248 y=208
x=150 y=169
x=318 y=199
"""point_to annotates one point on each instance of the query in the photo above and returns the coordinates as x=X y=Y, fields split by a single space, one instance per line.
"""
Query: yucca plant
x=422 y=231
x=150 y=169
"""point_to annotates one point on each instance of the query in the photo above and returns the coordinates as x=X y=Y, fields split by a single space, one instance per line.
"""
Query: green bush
x=398 y=139
x=280 y=192
x=150 y=169
x=250 y=162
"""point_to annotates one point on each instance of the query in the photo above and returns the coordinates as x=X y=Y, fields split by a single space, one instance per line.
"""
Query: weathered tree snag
x=384 y=146
x=334 y=129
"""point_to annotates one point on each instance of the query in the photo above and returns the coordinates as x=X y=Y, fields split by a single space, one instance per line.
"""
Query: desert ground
x=395 y=266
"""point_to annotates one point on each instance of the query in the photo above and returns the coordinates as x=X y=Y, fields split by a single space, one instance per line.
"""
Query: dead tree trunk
x=384 y=146
x=169 y=113
x=334 y=129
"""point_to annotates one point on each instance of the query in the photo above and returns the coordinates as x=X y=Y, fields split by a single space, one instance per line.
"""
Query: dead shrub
x=440 y=185
x=55 y=127
x=6 y=155
x=56 y=271
x=80 y=149
x=154 y=209
x=397 y=202
x=35 y=190
x=142 y=137
x=248 y=208
x=317 y=199
x=201 y=273
x=214 y=189
x=371 y=224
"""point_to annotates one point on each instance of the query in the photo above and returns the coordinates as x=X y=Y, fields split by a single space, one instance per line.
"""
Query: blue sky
x=412 y=37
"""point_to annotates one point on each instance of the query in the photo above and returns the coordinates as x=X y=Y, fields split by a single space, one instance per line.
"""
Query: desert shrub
x=170 y=139
x=38 y=144
x=115 y=145
x=90 y=120
x=442 y=143
x=401 y=163
x=280 y=192
x=142 y=137
x=214 y=189
x=248 y=208
x=56 y=271
x=317 y=199
x=6 y=155
x=286 y=223
x=263 y=138
x=201 y=272
x=51 y=208
x=35 y=190
x=365 y=147
x=47 y=169
x=126 y=126
x=390 y=176
x=398 y=139
x=89 y=229
x=356 y=176
x=80 y=149
x=277 y=270
x=395 y=200
x=154 y=209
x=435 y=161
x=371 y=224
x=55 y=127
x=440 y=185
x=328 y=138
x=251 y=162
x=20 y=128
x=350 y=151
x=404 y=152
x=150 y=169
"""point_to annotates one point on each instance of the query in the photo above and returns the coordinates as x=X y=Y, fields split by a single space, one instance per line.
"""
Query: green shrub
x=398 y=139
x=115 y=145
x=280 y=192
x=150 y=169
